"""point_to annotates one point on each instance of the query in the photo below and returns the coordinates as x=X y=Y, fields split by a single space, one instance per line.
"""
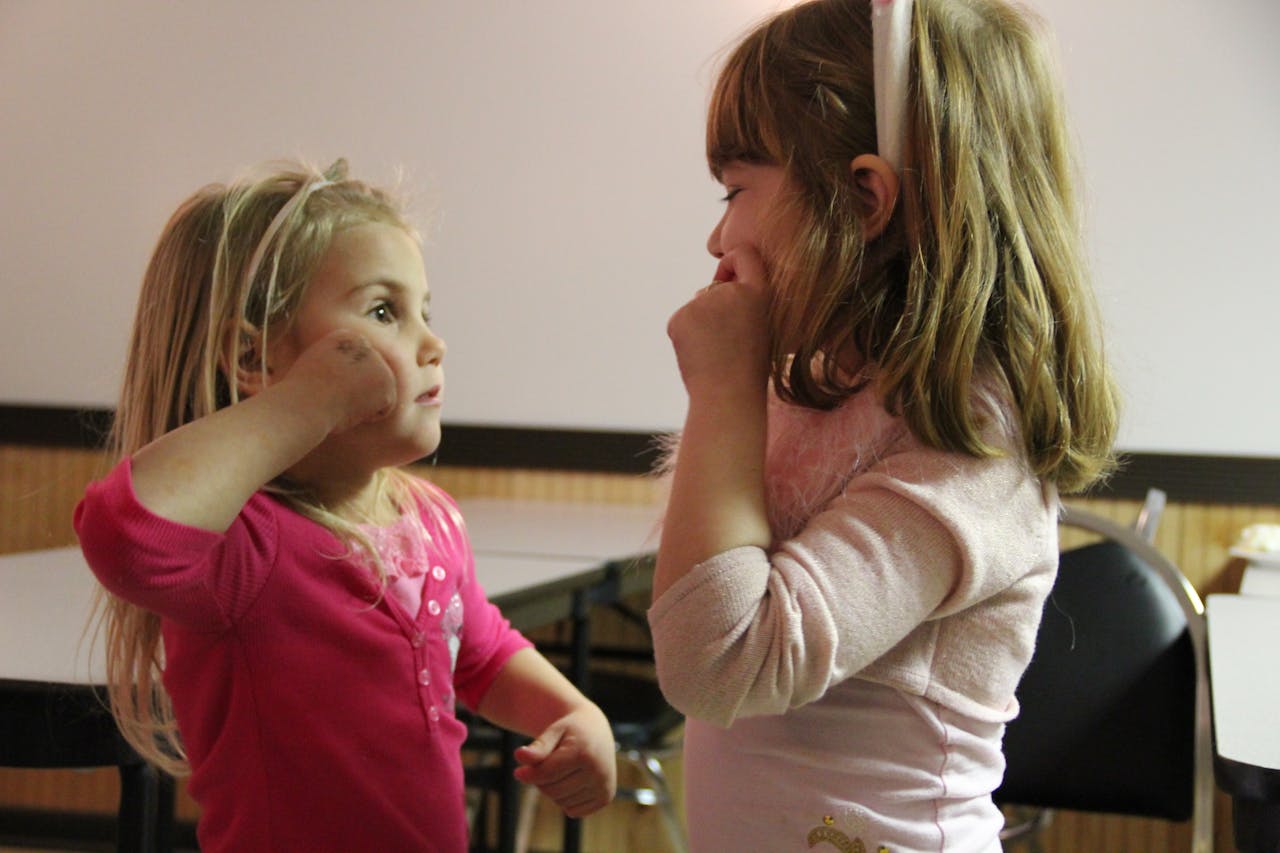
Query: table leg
x=143 y=823
x=509 y=798
x=580 y=657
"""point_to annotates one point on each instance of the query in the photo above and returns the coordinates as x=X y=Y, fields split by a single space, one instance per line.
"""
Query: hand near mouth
x=721 y=335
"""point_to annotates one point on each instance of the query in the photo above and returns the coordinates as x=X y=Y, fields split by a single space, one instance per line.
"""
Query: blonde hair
x=232 y=264
x=980 y=274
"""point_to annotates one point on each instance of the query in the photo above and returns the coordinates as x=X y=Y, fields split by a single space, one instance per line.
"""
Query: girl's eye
x=383 y=312
x=733 y=191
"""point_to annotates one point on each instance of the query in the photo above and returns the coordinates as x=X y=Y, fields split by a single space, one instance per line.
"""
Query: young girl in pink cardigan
x=891 y=377
x=290 y=616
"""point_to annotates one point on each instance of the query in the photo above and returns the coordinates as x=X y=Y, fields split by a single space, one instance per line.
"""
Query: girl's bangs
x=740 y=125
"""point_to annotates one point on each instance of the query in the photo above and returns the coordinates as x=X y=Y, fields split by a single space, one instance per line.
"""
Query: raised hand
x=349 y=376
x=721 y=335
x=202 y=473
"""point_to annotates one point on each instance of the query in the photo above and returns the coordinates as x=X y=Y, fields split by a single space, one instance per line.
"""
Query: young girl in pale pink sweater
x=892 y=376
x=291 y=617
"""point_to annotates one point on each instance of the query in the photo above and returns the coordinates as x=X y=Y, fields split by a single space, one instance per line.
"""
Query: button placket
x=432 y=697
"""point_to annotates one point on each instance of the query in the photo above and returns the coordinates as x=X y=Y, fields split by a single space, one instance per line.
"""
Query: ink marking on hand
x=357 y=351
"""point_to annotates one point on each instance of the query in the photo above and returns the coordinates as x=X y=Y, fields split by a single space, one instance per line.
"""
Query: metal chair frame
x=1139 y=542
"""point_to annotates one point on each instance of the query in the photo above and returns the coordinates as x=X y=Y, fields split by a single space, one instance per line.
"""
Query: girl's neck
x=360 y=500
x=374 y=506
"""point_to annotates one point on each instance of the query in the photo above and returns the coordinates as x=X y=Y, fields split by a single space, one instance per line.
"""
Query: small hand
x=722 y=335
x=350 y=376
x=572 y=762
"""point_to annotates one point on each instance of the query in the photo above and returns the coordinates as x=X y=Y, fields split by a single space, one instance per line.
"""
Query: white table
x=540 y=562
x=529 y=557
x=602 y=532
x=45 y=601
x=1244 y=678
x=1244 y=638
x=1260 y=580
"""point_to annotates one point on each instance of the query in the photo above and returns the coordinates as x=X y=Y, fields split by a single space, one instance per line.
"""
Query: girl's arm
x=571 y=759
x=204 y=472
x=717 y=499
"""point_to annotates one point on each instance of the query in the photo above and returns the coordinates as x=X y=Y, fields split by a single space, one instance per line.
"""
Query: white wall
x=556 y=152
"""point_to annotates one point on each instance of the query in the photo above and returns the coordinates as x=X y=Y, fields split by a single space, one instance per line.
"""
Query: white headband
x=891 y=49
x=278 y=222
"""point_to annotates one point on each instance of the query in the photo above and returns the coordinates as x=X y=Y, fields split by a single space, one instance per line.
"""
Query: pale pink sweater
x=892 y=562
x=851 y=683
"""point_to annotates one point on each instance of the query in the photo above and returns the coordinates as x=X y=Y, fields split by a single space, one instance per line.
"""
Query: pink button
x=424 y=677
x=433 y=607
x=433 y=713
x=438 y=573
x=418 y=639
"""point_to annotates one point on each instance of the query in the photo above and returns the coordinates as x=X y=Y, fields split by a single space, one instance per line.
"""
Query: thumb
x=540 y=747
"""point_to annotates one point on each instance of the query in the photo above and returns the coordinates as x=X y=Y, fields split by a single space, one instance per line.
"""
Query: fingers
x=537 y=750
x=576 y=790
x=721 y=335
x=577 y=773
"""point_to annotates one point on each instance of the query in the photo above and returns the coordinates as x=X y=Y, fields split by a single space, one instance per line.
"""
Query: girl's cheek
x=402 y=369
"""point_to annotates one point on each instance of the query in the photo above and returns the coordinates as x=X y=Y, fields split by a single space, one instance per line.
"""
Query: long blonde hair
x=979 y=274
x=232 y=264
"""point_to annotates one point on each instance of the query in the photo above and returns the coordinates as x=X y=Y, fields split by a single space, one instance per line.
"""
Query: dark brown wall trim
x=1185 y=477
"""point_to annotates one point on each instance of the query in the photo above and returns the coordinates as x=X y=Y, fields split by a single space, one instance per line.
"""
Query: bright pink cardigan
x=314 y=718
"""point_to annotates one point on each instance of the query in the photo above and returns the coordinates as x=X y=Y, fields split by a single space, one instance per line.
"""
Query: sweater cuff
x=688 y=591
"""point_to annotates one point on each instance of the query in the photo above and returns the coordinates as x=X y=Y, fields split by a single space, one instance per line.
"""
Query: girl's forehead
x=373 y=252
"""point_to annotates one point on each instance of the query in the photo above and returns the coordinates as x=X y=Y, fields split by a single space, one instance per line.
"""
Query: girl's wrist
x=310 y=405
x=729 y=394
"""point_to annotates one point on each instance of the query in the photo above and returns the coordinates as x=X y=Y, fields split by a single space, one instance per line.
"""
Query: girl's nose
x=713 y=240
x=432 y=348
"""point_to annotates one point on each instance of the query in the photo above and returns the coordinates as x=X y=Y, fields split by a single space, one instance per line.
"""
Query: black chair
x=1115 y=703
x=48 y=726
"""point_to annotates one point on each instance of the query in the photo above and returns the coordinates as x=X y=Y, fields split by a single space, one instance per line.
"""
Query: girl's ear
x=248 y=373
x=876 y=185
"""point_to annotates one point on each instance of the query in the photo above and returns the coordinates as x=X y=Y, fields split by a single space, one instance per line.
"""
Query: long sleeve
x=865 y=588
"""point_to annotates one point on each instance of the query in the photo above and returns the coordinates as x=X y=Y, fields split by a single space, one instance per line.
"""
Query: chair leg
x=142 y=823
x=166 y=805
x=1028 y=831
x=529 y=798
x=658 y=794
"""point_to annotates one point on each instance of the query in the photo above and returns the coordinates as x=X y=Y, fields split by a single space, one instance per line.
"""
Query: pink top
x=314 y=718
x=861 y=669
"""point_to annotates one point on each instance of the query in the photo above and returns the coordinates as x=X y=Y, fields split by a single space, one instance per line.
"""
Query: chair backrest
x=1114 y=703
